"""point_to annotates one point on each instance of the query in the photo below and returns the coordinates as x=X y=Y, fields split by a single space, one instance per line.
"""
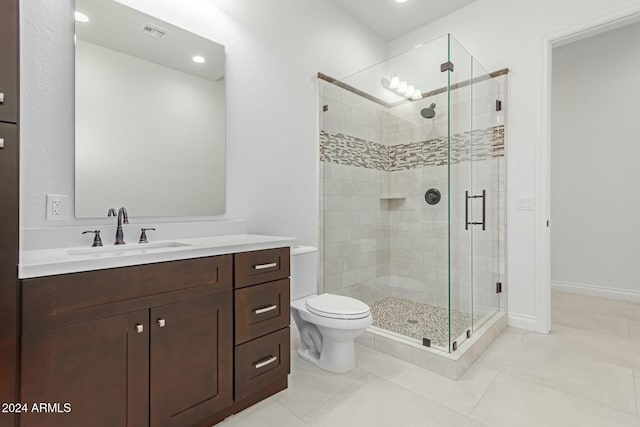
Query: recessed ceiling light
x=401 y=1
x=80 y=17
x=199 y=59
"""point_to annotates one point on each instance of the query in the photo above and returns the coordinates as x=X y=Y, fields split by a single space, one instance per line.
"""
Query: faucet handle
x=97 y=241
x=143 y=235
x=112 y=212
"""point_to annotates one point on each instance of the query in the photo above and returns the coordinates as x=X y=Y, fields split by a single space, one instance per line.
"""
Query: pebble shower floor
x=417 y=320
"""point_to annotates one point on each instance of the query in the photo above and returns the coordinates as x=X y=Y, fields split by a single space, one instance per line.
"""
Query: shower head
x=429 y=113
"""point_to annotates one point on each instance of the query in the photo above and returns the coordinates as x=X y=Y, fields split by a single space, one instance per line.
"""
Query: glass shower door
x=485 y=183
x=460 y=270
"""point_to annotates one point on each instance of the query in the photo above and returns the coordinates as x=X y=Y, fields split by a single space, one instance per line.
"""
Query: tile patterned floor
x=418 y=321
x=585 y=373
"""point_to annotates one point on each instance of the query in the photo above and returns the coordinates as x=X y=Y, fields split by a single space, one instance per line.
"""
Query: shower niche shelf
x=393 y=197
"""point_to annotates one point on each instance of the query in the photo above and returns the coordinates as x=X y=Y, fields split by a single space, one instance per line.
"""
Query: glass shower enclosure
x=411 y=188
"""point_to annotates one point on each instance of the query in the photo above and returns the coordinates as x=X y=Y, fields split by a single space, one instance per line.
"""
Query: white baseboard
x=597 y=291
x=522 y=321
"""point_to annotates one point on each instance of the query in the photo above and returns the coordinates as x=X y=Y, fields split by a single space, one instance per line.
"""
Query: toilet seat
x=337 y=307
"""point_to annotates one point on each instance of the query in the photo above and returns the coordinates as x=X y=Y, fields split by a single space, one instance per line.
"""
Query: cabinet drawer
x=256 y=267
x=52 y=302
x=261 y=309
x=261 y=362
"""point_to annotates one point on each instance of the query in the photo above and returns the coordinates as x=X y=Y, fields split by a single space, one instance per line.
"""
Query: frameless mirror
x=150 y=115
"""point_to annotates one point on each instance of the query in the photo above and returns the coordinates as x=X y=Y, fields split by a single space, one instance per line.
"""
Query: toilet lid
x=329 y=305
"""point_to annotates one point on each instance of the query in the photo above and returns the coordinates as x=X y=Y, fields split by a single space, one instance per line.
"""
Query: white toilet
x=328 y=324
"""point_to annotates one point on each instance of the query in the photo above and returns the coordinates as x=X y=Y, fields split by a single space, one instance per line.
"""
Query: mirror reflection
x=150 y=115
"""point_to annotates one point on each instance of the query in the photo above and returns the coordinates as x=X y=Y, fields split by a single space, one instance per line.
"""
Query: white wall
x=508 y=33
x=274 y=50
x=595 y=149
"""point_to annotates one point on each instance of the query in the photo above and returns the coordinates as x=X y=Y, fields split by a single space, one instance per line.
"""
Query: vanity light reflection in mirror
x=150 y=115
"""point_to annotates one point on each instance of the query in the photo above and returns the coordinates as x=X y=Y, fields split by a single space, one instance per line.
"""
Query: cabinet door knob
x=162 y=323
x=1 y=142
x=139 y=328
x=1 y=98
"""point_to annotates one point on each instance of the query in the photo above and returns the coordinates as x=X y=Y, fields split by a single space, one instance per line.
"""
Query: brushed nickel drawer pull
x=1 y=142
x=1 y=98
x=266 y=362
x=263 y=266
x=265 y=309
x=139 y=328
x=162 y=323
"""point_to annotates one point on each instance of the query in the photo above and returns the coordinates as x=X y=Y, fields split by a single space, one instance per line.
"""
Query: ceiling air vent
x=154 y=31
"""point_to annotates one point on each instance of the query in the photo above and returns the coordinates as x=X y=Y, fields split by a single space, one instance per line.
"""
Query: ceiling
x=391 y=20
x=118 y=27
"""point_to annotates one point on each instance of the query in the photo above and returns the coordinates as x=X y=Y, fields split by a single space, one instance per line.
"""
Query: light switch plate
x=526 y=203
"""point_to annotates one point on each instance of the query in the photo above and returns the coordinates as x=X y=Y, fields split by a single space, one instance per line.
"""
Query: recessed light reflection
x=199 y=59
x=80 y=17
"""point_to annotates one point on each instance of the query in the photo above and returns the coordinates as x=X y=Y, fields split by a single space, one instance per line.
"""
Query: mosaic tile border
x=347 y=150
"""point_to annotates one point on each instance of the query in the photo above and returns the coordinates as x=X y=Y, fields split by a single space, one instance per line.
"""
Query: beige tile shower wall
x=380 y=237
x=418 y=236
x=354 y=234
x=355 y=231
x=352 y=115
x=418 y=231
x=419 y=245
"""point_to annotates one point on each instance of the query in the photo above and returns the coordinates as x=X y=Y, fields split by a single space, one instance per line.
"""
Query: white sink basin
x=136 y=248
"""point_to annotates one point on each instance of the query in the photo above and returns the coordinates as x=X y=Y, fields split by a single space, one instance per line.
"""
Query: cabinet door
x=191 y=360
x=100 y=368
x=9 y=61
x=8 y=265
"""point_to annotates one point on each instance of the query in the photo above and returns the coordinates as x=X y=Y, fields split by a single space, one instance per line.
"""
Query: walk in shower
x=412 y=193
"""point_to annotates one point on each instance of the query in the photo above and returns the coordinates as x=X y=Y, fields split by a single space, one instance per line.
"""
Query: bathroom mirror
x=149 y=115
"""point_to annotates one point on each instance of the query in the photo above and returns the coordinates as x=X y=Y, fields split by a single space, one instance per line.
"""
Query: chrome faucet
x=123 y=218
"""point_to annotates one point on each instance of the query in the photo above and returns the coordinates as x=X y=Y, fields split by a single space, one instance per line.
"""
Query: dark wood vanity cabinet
x=132 y=346
x=99 y=368
x=9 y=107
x=191 y=360
x=9 y=65
x=8 y=267
x=262 y=316
x=168 y=366
x=167 y=344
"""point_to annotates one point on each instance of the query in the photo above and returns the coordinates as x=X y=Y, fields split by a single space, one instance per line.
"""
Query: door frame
x=602 y=24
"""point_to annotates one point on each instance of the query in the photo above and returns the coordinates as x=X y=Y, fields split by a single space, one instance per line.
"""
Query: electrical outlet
x=56 y=207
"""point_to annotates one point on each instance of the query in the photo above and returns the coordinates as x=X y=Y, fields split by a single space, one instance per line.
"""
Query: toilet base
x=328 y=343
x=336 y=356
x=330 y=349
x=339 y=358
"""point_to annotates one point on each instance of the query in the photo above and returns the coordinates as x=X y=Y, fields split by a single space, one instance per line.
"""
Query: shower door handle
x=466 y=210
x=484 y=210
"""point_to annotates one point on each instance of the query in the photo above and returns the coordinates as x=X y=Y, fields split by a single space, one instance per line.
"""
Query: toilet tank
x=304 y=271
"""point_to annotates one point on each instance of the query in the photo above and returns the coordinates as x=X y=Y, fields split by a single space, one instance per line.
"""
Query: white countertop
x=49 y=262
